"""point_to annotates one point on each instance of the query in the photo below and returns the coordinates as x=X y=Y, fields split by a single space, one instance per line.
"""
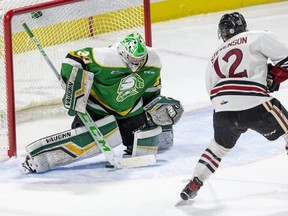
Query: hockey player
x=238 y=83
x=119 y=86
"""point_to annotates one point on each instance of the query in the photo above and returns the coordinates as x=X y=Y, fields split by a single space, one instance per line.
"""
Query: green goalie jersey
x=115 y=89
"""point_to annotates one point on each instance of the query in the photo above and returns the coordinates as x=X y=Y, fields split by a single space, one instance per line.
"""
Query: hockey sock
x=209 y=161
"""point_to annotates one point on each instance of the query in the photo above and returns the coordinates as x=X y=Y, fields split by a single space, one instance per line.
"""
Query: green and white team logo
x=129 y=86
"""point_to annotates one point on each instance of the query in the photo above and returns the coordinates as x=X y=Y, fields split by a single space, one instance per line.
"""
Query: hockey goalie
x=119 y=87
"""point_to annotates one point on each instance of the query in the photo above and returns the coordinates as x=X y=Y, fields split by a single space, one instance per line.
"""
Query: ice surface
x=251 y=180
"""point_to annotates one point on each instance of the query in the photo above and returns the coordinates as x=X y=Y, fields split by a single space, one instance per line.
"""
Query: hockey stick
x=96 y=134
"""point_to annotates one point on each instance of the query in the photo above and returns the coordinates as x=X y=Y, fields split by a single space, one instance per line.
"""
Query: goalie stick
x=115 y=162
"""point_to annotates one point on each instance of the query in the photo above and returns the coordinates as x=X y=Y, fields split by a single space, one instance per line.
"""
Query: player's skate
x=191 y=189
x=128 y=152
x=28 y=165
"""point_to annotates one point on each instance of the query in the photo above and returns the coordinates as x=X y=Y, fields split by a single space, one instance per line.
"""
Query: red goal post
x=28 y=90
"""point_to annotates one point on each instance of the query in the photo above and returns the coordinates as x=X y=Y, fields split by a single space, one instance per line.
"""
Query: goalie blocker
x=77 y=90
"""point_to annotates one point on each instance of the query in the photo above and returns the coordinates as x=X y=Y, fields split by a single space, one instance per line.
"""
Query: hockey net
x=29 y=88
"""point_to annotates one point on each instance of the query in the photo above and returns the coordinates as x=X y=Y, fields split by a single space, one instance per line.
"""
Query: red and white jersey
x=236 y=73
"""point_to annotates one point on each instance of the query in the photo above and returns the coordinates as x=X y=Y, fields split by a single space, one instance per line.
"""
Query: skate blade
x=182 y=202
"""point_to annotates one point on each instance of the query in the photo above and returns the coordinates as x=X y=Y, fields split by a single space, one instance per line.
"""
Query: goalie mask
x=133 y=51
x=164 y=111
x=230 y=25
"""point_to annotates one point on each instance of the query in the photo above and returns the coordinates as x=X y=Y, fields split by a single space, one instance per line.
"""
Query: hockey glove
x=276 y=75
x=280 y=74
x=164 y=111
x=271 y=84
x=77 y=90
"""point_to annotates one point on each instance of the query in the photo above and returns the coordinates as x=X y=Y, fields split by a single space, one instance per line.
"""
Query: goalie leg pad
x=72 y=145
x=166 y=138
x=77 y=90
x=146 y=141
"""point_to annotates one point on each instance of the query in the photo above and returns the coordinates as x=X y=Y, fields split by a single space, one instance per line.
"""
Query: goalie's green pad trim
x=72 y=145
x=77 y=90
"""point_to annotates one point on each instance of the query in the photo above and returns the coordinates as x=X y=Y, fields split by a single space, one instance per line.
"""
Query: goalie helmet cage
x=28 y=86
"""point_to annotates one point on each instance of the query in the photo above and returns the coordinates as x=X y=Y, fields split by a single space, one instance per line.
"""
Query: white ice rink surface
x=252 y=180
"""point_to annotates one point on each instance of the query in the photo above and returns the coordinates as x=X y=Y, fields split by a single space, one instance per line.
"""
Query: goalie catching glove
x=164 y=111
x=77 y=90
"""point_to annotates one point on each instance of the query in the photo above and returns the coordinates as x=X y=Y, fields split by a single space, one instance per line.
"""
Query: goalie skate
x=28 y=165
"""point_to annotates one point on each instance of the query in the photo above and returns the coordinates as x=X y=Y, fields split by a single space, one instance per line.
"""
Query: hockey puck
x=36 y=14
x=109 y=166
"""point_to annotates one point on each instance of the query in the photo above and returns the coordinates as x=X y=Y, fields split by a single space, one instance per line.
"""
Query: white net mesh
x=59 y=30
